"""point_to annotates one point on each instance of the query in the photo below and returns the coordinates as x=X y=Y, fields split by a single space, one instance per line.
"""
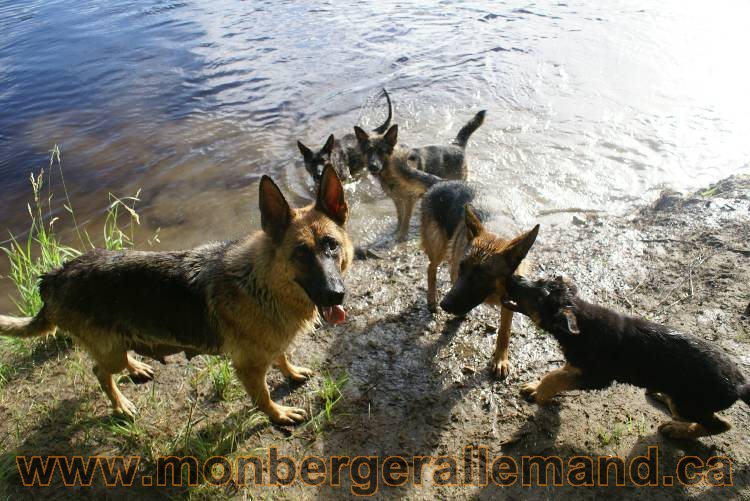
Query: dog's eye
x=330 y=244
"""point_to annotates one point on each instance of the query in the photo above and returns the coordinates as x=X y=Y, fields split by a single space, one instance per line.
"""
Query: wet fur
x=695 y=378
x=405 y=174
x=342 y=153
x=242 y=298
x=451 y=229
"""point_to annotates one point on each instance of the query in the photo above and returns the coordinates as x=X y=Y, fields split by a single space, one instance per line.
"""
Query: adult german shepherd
x=247 y=298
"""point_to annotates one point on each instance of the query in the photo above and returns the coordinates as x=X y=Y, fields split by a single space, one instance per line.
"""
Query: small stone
x=468 y=370
x=578 y=221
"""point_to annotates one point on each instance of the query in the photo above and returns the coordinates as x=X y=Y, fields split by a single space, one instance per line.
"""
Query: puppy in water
x=394 y=166
x=342 y=154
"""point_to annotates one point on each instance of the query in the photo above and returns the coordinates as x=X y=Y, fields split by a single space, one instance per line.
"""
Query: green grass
x=41 y=250
x=330 y=395
x=628 y=427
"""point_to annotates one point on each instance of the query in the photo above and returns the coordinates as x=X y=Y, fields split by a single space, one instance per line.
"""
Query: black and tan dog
x=480 y=261
x=393 y=165
x=247 y=299
x=342 y=154
x=694 y=378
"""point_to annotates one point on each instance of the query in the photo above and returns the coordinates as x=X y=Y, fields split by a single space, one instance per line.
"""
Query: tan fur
x=564 y=379
x=403 y=190
x=254 y=330
x=484 y=246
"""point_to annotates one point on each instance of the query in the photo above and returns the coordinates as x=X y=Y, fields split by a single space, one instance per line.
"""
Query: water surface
x=590 y=104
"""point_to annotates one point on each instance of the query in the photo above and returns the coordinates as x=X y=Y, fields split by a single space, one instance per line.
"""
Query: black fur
x=467 y=130
x=105 y=287
x=699 y=377
x=445 y=203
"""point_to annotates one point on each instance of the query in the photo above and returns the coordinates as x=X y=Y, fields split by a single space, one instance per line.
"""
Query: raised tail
x=745 y=393
x=467 y=130
x=25 y=326
x=387 y=123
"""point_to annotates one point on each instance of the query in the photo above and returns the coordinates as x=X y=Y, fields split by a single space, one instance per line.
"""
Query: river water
x=590 y=104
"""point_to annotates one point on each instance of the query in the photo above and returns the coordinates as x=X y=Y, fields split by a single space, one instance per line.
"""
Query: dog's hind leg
x=711 y=425
x=139 y=371
x=106 y=366
x=664 y=399
x=294 y=372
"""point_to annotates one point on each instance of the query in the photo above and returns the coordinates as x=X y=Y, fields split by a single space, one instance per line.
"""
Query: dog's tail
x=387 y=123
x=467 y=130
x=420 y=181
x=745 y=393
x=26 y=326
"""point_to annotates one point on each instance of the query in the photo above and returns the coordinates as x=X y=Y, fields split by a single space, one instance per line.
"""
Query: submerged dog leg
x=500 y=364
x=294 y=372
x=563 y=379
x=253 y=378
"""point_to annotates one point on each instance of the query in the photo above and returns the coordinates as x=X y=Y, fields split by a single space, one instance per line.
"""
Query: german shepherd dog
x=480 y=261
x=247 y=298
x=693 y=377
x=343 y=154
x=392 y=164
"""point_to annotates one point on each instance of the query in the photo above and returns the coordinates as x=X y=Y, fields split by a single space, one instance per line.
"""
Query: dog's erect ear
x=519 y=247
x=307 y=153
x=391 y=137
x=275 y=214
x=328 y=147
x=474 y=226
x=570 y=318
x=361 y=135
x=331 y=200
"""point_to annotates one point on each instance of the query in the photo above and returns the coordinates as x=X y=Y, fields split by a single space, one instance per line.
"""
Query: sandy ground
x=419 y=384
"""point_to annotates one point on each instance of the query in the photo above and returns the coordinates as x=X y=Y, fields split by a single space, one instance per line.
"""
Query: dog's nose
x=334 y=296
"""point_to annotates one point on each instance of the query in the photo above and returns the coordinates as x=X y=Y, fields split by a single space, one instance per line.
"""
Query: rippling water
x=590 y=104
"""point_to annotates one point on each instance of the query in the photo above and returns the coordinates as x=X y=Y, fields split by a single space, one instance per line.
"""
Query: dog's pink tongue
x=334 y=314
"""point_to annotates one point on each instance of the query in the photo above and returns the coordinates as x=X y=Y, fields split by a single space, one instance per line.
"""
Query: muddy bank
x=419 y=384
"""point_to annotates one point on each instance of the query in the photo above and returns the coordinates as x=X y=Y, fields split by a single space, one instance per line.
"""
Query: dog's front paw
x=500 y=368
x=281 y=414
x=124 y=408
x=300 y=374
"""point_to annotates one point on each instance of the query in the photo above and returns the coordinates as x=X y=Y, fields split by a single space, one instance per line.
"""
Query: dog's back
x=138 y=295
x=443 y=206
x=446 y=161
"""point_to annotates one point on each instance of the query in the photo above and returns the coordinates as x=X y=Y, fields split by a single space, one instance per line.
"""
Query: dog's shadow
x=398 y=385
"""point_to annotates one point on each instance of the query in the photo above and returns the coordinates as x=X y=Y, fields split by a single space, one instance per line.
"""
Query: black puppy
x=693 y=377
